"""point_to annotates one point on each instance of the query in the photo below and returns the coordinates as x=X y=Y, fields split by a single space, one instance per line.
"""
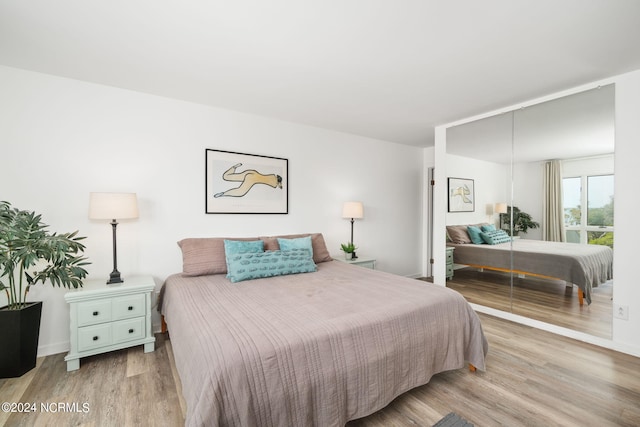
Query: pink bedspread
x=318 y=348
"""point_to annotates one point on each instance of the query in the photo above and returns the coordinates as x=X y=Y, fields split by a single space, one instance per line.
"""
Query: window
x=588 y=209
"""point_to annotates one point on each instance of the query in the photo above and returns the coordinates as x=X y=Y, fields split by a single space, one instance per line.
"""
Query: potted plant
x=522 y=221
x=349 y=250
x=29 y=254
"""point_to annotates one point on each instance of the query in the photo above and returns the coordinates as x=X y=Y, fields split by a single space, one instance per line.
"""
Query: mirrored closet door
x=555 y=157
x=480 y=152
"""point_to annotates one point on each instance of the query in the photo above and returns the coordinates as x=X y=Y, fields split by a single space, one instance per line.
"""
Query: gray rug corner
x=453 y=420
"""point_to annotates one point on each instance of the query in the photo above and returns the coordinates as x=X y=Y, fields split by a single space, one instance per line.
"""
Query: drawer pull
x=130 y=308
x=130 y=331
x=95 y=338
x=95 y=313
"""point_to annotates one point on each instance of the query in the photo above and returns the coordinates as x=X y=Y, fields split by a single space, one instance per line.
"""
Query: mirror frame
x=440 y=209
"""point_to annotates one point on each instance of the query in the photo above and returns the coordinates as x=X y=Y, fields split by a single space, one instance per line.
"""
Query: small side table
x=360 y=261
x=450 y=250
x=109 y=317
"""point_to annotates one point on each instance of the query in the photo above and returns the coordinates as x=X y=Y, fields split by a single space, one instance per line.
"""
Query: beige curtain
x=553 y=218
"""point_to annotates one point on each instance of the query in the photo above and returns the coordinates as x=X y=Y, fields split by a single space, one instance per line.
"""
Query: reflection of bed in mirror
x=585 y=266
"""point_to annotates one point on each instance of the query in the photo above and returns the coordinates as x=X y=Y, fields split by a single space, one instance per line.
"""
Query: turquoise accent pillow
x=233 y=247
x=495 y=237
x=474 y=234
x=239 y=246
x=488 y=227
x=256 y=265
x=297 y=243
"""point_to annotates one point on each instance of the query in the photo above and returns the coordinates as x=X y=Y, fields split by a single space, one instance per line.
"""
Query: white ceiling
x=380 y=68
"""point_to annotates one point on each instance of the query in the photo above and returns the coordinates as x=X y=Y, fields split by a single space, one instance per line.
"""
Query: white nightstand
x=360 y=261
x=450 y=250
x=109 y=317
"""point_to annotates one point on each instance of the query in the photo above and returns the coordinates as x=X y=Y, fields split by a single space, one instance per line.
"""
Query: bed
x=317 y=348
x=585 y=266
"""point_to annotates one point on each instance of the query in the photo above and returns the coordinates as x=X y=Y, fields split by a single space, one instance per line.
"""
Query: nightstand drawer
x=129 y=306
x=91 y=337
x=127 y=330
x=93 y=312
x=449 y=271
x=449 y=257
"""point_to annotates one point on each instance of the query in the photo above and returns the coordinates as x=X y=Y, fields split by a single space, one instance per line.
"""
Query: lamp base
x=114 y=277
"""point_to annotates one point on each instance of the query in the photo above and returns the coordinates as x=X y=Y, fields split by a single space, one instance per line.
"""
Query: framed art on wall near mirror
x=461 y=195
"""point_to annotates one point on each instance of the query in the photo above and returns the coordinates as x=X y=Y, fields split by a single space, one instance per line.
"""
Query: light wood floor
x=541 y=299
x=533 y=378
x=122 y=388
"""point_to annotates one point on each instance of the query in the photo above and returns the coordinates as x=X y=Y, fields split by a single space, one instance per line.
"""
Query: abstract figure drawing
x=248 y=179
x=462 y=191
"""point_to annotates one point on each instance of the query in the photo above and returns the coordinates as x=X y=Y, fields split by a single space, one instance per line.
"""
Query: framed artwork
x=461 y=195
x=245 y=183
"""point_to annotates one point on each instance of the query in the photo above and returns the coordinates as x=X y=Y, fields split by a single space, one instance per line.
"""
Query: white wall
x=528 y=194
x=627 y=153
x=490 y=183
x=600 y=165
x=626 y=290
x=61 y=139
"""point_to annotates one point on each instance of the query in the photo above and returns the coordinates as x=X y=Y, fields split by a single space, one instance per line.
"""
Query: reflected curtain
x=553 y=210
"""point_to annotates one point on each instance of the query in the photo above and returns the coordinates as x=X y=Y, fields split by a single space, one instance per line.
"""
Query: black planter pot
x=19 y=332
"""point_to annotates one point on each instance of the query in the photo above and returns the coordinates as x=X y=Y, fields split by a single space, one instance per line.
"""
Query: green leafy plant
x=522 y=221
x=600 y=238
x=29 y=254
x=348 y=247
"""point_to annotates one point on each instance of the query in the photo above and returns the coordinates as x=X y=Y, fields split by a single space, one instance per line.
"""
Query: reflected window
x=588 y=209
x=600 y=200
x=572 y=201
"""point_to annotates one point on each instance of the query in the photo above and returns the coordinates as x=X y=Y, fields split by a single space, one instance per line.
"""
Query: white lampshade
x=113 y=205
x=352 y=210
x=500 y=208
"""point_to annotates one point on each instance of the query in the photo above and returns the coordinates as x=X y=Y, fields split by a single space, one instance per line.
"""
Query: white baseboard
x=55 y=348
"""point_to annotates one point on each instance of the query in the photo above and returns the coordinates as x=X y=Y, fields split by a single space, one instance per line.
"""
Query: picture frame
x=239 y=183
x=461 y=195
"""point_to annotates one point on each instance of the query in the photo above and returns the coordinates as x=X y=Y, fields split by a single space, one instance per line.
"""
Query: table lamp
x=352 y=210
x=113 y=206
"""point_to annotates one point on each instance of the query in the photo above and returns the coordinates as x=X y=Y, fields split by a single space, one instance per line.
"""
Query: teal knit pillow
x=240 y=246
x=474 y=234
x=256 y=265
x=495 y=237
x=298 y=243
x=488 y=227
x=234 y=247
